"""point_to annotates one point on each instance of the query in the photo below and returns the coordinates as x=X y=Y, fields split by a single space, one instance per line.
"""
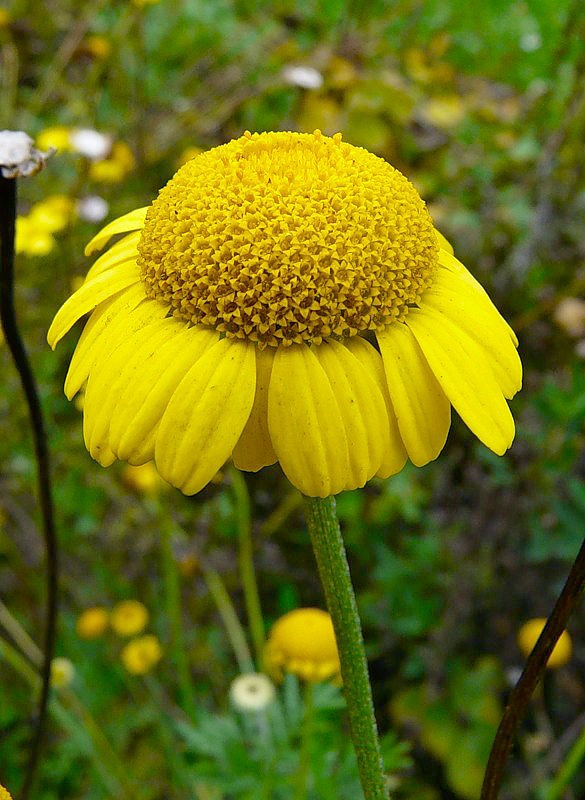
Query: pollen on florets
x=286 y=238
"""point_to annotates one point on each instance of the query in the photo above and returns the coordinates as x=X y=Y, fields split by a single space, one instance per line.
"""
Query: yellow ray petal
x=206 y=415
x=305 y=424
x=129 y=222
x=395 y=455
x=450 y=263
x=466 y=377
x=465 y=307
x=90 y=295
x=444 y=243
x=254 y=448
x=124 y=250
x=144 y=399
x=421 y=407
x=99 y=328
x=362 y=410
x=105 y=382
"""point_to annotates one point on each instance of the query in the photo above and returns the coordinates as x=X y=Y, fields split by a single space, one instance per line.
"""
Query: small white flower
x=252 y=692
x=90 y=143
x=62 y=672
x=305 y=77
x=18 y=155
x=529 y=42
x=93 y=208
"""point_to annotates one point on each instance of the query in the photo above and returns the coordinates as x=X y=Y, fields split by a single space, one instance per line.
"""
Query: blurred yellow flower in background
x=98 y=46
x=187 y=154
x=4 y=793
x=54 y=213
x=5 y=20
x=116 y=167
x=129 y=617
x=140 y=655
x=92 y=622
x=57 y=136
x=303 y=642
x=32 y=239
x=528 y=636
x=143 y=479
x=62 y=672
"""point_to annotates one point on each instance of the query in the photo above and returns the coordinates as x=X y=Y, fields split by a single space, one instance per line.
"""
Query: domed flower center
x=287 y=238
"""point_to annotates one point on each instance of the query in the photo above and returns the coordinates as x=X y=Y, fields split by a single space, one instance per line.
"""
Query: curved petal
x=206 y=415
x=96 y=333
x=254 y=448
x=305 y=424
x=465 y=375
x=451 y=297
x=362 y=409
x=395 y=455
x=129 y=222
x=444 y=243
x=421 y=407
x=124 y=250
x=450 y=263
x=90 y=295
x=147 y=389
x=104 y=384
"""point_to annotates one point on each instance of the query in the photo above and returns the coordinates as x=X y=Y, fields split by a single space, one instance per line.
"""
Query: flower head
x=303 y=642
x=62 y=672
x=140 y=655
x=129 y=617
x=5 y=794
x=92 y=622
x=286 y=299
x=252 y=692
x=528 y=636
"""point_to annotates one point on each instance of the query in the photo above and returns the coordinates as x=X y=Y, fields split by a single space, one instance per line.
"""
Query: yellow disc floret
x=286 y=238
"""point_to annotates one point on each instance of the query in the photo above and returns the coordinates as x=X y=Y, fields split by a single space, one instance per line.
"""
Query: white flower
x=18 y=155
x=90 y=143
x=305 y=77
x=252 y=692
x=92 y=208
x=62 y=672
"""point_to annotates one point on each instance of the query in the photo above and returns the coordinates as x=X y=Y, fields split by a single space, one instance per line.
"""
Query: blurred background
x=482 y=106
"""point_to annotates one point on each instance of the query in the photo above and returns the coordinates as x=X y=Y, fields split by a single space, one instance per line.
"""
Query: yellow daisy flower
x=528 y=636
x=5 y=794
x=140 y=655
x=92 y=622
x=286 y=299
x=129 y=617
x=303 y=642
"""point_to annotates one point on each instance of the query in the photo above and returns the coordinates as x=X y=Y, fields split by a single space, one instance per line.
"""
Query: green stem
x=569 y=768
x=246 y=564
x=230 y=619
x=172 y=589
x=307 y=732
x=334 y=571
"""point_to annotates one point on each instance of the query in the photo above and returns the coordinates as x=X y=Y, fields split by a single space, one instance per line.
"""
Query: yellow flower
x=140 y=655
x=58 y=137
x=142 y=3
x=286 y=299
x=129 y=617
x=5 y=794
x=303 y=642
x=5 y=20
x=97 y=46
x=113 y=169
x=528 y=636
x=92 y=622
x=52 y=214
x=32 y=239
x=144 y=478
x=62 y=672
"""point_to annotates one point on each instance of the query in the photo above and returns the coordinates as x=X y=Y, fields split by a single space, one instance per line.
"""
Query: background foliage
x=482 y=107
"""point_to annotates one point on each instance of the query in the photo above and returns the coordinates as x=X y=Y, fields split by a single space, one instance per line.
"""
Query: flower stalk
x=334 y=571
x=31 y=161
